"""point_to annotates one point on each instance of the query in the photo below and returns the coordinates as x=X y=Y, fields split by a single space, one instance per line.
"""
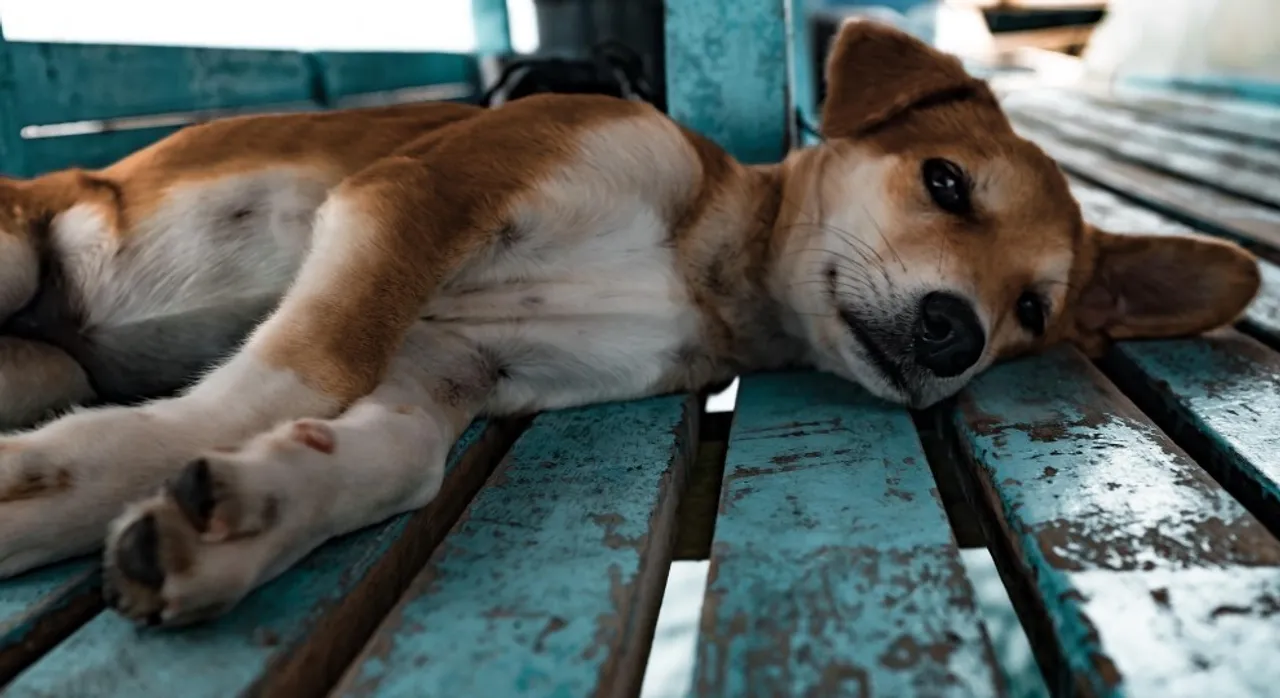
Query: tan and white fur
x=366 y=283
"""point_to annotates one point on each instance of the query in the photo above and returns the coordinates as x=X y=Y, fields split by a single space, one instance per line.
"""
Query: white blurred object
x=1233 y=39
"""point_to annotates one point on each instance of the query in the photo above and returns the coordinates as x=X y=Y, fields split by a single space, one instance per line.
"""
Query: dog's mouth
x=873 y=344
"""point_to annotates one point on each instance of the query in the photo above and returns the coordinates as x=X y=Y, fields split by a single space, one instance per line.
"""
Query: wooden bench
x=1131 y=504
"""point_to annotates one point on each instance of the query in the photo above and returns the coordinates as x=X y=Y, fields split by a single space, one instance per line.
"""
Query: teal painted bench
x=1131 y=504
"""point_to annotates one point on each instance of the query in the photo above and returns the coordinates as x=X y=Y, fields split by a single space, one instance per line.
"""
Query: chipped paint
x=550 y=583
x=1127 y=530
x=833 y=570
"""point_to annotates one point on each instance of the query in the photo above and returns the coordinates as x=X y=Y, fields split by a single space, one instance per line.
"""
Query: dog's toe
x=189 y=552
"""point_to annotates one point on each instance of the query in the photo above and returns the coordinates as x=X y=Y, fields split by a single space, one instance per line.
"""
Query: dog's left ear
x=875 y=72
x=1154 y=286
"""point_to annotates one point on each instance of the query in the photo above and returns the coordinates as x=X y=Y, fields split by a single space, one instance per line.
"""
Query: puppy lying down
x=307 y=310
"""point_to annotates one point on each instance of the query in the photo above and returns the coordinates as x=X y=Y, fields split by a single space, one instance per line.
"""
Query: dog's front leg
x=232 y=520
x=378 y=252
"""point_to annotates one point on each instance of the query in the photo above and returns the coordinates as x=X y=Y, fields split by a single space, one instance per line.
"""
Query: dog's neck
x=740 y=277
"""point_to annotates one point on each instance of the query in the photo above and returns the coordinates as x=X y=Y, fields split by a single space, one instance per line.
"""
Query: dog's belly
x=148 y=309
x=561 y=344
x=572 y=317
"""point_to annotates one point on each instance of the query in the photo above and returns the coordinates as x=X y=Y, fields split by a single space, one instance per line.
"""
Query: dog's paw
x=193 y=550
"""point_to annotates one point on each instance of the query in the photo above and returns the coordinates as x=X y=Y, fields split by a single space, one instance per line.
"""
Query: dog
x=300 y=314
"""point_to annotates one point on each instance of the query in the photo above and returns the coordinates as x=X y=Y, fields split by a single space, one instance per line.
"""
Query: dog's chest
x=575 y=315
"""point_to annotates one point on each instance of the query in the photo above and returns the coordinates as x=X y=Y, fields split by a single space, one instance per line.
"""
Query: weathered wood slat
x=1217 y=112
x=493 y=27
x=727 y=73
x=39 y=609
x=1219 y=395
x=1204 y=208
x=59 y=83
x=348 y=74
x=550 y=584
x=1117 y=124
x=90 y=150
x=1195 y=118
x=1205 y=172
x=11 y=152
x=292 y=637
x=1148 y=579
x=1111 y=212
x=833 y=569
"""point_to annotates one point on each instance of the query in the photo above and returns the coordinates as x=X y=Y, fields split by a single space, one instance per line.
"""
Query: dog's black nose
x=949 y=338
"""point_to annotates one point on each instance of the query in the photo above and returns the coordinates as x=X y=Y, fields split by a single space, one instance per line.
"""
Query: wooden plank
x=293 y=636
x=1145 y=577
x=1206 y=172
x=550 y=584
x=1204 y=208
x=40 y=608
x=1203 y=119
x=62 y=83
x=1111 y=212
x=833 y=569
x=348 y=74
x=1112 y=123
x=89 y=150
x=1245 y=119
x=1219 y=396
x=493 y=27
x=727 y=73
x=12 y=155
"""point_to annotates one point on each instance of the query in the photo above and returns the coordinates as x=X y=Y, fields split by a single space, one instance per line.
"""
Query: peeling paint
x=839 y=577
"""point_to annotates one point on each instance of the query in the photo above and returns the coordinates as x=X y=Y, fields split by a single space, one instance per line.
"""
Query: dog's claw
x=138 y=553
x=192 y=492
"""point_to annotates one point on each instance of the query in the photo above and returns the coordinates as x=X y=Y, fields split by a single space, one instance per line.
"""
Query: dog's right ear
x=875 y=72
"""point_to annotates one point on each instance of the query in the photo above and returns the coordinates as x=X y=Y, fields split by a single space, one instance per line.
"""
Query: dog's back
x=157 y=266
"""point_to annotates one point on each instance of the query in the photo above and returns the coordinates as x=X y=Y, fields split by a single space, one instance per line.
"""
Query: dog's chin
x=906 y=388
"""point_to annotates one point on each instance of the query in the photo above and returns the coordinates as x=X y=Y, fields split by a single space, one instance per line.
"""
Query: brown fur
x=425 y=212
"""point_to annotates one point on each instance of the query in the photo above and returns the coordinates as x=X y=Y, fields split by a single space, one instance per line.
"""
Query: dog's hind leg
x=379 y=251
x=232 y=520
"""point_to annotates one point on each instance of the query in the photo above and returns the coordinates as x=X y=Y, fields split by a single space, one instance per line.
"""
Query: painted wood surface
x=1206 y=172
x=1220 y=395
x=1205 y=209
x=1261 y=122
x=1112 y=212
x=833 y=568
x=39 y=609
x=1198 y=119
x=727 y=73
x=1119 y=124
x=61 y=83
x=291 y=637
x=493 y=26
x=550 y=583
x=1151 y=580
x=90 y=150
x=11 y=153
x=347 y=74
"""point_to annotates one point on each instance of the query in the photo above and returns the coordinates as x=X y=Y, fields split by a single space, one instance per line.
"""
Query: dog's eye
x=947 y=185
x=1031 y=312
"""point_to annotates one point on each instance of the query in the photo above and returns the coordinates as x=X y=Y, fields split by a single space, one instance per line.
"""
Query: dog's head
x=926 y=240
